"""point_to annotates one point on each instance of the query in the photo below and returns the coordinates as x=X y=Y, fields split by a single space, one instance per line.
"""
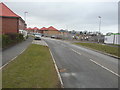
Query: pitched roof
x=52 y=28
x=43 y=28
x=5 y=11
x=29 y=28
x=35 y=28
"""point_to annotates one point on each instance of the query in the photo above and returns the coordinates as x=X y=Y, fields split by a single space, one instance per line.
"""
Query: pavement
x=80 y=67
x=14 y=51
x=39 y=42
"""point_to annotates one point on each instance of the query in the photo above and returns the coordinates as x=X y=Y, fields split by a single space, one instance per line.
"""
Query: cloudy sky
x=73 y=15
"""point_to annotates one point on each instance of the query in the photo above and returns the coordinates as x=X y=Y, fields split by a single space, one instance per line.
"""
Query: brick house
x=10 y=22
x=29 y=30
x=35 y=29
x=50 y=31
x=45 y=31
x=42 y=30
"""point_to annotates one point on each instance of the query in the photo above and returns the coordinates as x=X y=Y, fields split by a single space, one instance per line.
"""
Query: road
x=13 y=51
x=83 y=68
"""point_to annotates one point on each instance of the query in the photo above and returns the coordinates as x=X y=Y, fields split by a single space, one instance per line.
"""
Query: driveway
x=83 y=68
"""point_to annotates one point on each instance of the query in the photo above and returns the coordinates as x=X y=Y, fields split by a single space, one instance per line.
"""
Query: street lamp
x=99 y=28
x=25 y=16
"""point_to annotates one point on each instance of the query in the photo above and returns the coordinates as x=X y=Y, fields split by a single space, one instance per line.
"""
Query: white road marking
x=105 y=68
x=99 y=64
x=75 y=51
x=57 y=69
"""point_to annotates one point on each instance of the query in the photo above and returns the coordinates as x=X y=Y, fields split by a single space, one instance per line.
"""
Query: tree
x=85 y=32
x=81 y=33
x=109 y=33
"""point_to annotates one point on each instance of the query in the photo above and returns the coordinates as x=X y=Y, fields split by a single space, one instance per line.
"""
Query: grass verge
x=100 y=47
x=34 y=68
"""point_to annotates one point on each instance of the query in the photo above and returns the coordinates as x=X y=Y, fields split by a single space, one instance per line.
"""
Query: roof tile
x=44 y=28
x=5 y=11
x=52 y=28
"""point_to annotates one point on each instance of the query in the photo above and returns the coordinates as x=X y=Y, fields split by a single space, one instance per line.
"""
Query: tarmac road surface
x=83 y=68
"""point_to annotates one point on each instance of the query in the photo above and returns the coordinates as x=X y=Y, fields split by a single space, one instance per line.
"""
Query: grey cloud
x=69 y=15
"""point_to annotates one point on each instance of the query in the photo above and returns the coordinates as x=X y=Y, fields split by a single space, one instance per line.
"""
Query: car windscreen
x=38 y=34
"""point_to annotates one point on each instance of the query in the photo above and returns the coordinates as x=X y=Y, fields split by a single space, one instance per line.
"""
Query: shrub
x=11 y=39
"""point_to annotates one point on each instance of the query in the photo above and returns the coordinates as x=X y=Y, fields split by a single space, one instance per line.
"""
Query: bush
x=11 y=39
x=6 y=40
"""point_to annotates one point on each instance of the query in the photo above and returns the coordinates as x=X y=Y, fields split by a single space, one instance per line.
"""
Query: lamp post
x=99 y=28
x=25 y=13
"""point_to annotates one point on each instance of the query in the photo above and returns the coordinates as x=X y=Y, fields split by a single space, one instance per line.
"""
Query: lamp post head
x=25 y=12
x=99 y=16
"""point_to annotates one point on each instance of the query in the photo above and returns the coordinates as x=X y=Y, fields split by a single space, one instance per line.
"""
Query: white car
x=37 y=36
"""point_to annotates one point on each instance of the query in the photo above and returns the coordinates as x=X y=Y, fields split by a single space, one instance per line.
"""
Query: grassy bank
x=115 y=44
x=32 y=69
x=100 y=47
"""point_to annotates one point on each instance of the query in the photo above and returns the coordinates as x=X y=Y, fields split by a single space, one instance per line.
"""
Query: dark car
x=53 y=36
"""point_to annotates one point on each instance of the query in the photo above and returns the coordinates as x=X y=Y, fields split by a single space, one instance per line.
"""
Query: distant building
x=32 y=30
x=63 y=32
x=11 y=22
x=50 y=31
x=29 y=30
x=42 y=30
x=113 y=38
x=45 y=31
x=35 y=30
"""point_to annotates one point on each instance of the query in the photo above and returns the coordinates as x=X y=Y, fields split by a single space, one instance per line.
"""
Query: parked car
x=37 y=36
x=53 y=36
x=42 y=35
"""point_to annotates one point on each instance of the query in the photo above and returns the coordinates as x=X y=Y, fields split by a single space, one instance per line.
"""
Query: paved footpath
x=14 y=51
x=40 y=42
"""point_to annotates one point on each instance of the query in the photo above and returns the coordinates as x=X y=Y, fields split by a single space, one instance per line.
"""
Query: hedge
x=11 y=39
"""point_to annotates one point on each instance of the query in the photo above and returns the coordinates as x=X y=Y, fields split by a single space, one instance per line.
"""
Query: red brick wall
x=9 y=25
x=51 y=32
x=22 y=25
x=0 y=25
